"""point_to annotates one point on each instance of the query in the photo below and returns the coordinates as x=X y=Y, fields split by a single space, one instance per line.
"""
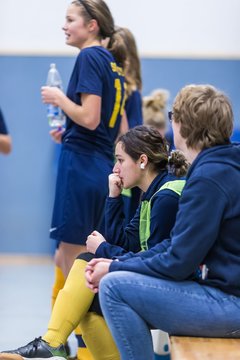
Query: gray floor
x=25 y=298
x=25 y=292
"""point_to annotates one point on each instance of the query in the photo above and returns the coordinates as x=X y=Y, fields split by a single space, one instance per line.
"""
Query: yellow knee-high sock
x=82 y=351
x=59 y=281
x=72 y=303
x=98 y=338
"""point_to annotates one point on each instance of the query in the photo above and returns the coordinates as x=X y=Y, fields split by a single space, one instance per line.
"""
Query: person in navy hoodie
x=187 y=285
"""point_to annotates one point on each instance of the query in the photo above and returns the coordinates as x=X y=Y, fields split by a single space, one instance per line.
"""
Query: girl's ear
x=143 y=159
x=93 y=26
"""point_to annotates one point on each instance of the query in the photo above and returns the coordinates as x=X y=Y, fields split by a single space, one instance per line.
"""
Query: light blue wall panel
x=173 y=74
x=27 y=176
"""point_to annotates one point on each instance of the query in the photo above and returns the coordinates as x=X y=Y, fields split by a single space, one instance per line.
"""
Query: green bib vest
x=145 y=212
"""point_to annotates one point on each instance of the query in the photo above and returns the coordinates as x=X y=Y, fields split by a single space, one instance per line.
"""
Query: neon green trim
x=126 y=192
x=145 y=212
x=175 y=185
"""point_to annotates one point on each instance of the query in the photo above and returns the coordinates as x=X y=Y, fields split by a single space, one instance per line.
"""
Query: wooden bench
x=194 y=348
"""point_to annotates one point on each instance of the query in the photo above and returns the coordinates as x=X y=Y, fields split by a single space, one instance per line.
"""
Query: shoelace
x=34 y=344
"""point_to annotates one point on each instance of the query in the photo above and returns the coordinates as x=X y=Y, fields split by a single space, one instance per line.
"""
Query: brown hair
x=147 y=140
x=98 y=10
x=133 y=66
x=205 y=115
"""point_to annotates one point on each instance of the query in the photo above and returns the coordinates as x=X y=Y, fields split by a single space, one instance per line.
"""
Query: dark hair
x=98 y=10
x=177 y=163
x=147 y=140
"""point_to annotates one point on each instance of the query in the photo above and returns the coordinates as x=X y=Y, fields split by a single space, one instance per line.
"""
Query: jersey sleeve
x=90 y=75
x=116 y=234
x=109 y=251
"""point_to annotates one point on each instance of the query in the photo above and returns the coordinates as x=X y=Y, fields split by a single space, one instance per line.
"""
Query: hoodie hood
x=220 y=155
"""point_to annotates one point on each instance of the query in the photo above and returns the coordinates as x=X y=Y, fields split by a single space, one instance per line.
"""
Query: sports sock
x=98 y=338
x=59 y=281
x=71 y=305
x=82 y=351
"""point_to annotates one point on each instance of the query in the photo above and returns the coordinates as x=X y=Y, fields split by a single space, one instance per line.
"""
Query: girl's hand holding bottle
x=56 y=135
x=51 y=95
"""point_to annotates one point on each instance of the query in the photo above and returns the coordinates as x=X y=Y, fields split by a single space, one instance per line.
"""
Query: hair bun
x=154 y=108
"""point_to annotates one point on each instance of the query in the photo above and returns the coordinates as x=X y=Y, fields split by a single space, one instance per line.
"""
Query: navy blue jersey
x=3 y=128
x=133 y=109
x=96 y=72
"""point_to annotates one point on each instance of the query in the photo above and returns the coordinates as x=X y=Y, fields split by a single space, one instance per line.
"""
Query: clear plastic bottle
x=55 y=115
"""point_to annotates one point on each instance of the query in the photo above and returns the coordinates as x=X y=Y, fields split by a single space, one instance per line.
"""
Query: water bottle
x=55 y=115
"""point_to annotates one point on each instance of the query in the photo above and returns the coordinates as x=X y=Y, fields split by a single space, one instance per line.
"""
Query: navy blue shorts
x=81 y=190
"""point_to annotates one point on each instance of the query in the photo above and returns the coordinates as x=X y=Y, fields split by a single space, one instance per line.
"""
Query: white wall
x=178 y=28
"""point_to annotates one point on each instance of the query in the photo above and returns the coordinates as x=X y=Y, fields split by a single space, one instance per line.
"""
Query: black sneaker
x=37 y=349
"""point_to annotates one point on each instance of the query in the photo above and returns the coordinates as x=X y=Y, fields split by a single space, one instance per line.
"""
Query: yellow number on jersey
x=124 y=100
x=117 y=104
